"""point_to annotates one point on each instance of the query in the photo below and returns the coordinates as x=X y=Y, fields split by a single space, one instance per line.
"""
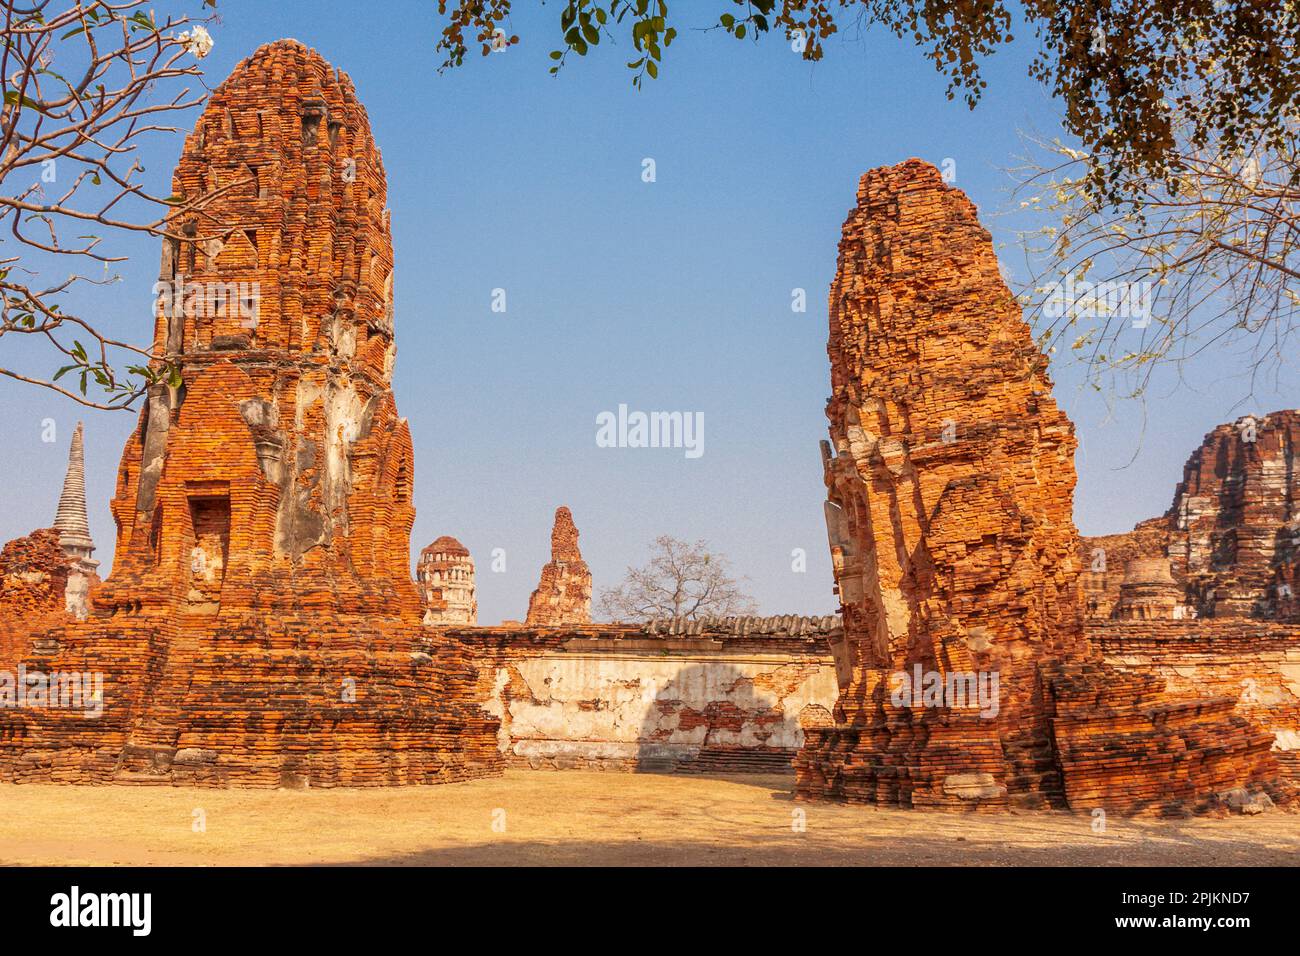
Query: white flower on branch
x=197 y=41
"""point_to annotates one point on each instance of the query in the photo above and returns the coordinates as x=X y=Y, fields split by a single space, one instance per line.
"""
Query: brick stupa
x=260 y=626
x=950 y=480
x=1234 y=526
x=445 y=574
x=1231 y=535
x=563 y=594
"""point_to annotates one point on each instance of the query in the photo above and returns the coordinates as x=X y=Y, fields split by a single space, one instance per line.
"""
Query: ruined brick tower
x=1231 y=538
x=260 y=625
x=563 y=594
x=283 y=330
x=1233 y=530
x=950 y=482
x=446 y=580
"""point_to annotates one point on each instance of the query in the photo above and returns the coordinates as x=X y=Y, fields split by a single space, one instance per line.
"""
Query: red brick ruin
x=445 y=574
x=46 y=576
x=1204 y=597
x=261 y=626
x=1230 y=541
x=950 y=482
x=34 y=574
x=563 y=595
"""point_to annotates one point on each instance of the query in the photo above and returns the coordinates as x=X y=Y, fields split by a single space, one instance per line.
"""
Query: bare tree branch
x=1208 y=260
x=81 y=83
x=681 y=581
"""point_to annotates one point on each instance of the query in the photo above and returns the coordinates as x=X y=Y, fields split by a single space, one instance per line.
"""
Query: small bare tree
x=1209 y=260
x=682 y=580
x=84 y=82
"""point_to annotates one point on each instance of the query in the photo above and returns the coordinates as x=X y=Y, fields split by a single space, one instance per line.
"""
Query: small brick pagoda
x=950 y=480
x=563 y=594
x=445 y=575
x=261 y=626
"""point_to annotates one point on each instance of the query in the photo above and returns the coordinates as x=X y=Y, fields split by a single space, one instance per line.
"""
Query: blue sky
x=671 y=295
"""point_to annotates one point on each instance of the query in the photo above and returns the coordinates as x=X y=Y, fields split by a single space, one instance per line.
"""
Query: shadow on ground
x=1170 y=846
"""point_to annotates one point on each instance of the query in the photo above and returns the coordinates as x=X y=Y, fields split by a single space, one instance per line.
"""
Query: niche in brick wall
x=210 y=522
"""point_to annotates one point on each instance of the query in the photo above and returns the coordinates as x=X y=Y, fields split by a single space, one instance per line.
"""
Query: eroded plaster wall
x=619 y=698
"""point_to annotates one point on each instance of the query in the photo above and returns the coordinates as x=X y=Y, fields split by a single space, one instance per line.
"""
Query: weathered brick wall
x=1253 y=663
x=617 y=697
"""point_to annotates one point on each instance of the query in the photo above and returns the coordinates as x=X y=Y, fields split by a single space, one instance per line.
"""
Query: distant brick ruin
x=563 y=595
x=34 y=575
x=950 y=483
x=1231 y=538
x=1203 y=597
x=46 y=577
x=445 y=576
x=261 y=627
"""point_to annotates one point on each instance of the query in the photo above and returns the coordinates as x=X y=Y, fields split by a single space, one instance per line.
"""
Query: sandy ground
x=588 y=818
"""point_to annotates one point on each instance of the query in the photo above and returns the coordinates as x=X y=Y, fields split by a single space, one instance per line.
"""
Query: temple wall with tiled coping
x=624 y=697
x=628 y=697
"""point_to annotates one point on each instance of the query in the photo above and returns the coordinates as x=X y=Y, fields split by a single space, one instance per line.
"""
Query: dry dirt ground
x=588 y=818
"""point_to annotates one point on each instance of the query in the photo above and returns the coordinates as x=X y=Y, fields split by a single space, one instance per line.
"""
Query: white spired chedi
x=73 y=525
